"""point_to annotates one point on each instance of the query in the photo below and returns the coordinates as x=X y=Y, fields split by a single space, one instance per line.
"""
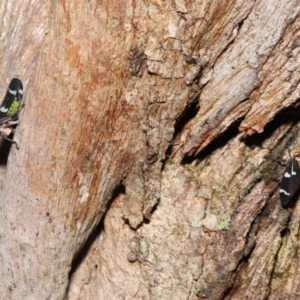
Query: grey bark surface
x=149 y=150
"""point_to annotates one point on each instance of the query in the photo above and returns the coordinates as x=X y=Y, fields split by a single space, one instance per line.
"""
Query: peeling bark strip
x=254 y=78
x=226 y=253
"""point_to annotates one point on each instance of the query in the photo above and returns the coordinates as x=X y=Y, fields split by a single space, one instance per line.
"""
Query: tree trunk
x=150 y=149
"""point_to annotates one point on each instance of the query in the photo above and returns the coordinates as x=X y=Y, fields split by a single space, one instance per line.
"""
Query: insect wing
x=12 y=100
x=290 y=180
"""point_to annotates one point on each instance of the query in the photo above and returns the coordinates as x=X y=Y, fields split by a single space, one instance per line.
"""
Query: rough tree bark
x=149 y=150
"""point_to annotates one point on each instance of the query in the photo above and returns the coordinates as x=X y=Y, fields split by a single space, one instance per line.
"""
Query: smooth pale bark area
x=132 y=119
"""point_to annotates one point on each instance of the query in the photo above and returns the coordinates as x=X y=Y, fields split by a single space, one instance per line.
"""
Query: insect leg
x=10 y=140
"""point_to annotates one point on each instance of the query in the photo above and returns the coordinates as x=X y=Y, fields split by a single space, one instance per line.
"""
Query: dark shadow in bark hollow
x=93 y=236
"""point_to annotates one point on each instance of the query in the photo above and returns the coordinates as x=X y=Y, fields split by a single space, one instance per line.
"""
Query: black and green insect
x=10 y=109
x=291 y=178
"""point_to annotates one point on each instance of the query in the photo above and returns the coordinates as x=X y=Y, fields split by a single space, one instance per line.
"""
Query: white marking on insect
x=293 y=172
x=13 y=92
x=3 y=109
x=287 y=175
x=284 y=192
